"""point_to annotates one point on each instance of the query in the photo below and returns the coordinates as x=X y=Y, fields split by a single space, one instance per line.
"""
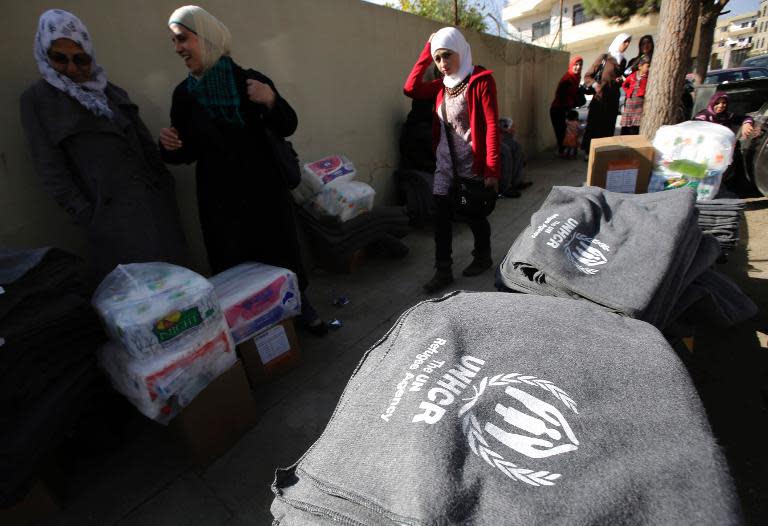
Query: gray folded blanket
x=490 y=408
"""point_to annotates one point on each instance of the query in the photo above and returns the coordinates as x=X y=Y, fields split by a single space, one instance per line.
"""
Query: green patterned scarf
x=217 y=92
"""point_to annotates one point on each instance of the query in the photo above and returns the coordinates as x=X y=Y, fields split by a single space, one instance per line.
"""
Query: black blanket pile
x=334 y=241
x=636 y=255
x=48 y=338
x=721 y=218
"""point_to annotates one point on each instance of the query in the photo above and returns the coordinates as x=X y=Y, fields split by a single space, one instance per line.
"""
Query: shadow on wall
x=341 y=64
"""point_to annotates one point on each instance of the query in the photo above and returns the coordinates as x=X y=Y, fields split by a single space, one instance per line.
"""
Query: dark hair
x=572 y=115
x=644 y=59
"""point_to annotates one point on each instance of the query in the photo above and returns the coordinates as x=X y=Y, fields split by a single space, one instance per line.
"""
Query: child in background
x=634 y=87
x=571 y=139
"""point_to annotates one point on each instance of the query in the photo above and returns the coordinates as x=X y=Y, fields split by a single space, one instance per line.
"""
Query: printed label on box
x=622 y=177
x=272 y=343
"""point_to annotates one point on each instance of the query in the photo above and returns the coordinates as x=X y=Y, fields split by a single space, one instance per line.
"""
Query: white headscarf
x=53 y=25
x=451 y=38
x=613 y=49
x=215 y=39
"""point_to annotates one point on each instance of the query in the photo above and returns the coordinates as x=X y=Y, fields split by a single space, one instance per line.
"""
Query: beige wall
x=341 y=64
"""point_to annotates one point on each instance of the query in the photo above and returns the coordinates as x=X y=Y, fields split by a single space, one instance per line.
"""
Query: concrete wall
x=341 y=64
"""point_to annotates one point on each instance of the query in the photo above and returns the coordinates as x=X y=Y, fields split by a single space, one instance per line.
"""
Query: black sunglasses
x=81 y=59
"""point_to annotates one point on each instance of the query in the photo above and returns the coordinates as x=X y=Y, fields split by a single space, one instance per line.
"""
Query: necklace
x=457 y=90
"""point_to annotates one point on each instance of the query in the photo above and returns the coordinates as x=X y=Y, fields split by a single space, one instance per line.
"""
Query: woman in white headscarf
x=94 y=153
x=604 y=80
x=221 y=115
x=466 y=108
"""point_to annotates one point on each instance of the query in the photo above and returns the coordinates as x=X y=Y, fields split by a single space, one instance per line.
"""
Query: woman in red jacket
x=568 y=95
x=466 y=99
x=634 y=87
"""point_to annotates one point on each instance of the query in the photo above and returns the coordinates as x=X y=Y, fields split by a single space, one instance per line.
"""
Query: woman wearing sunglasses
x=94 y=153
x=221 y=115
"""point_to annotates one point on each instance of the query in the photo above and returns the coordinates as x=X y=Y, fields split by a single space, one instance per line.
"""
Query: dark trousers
x=557 y=116
x=443 y=223
x=630 y=130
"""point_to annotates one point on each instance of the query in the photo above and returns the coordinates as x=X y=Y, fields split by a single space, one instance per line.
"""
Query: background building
x=760 y=40
x=539 y=22
x=734 y=39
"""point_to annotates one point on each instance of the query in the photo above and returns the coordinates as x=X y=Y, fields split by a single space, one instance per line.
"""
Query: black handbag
x=286 y=159
x=470 y=198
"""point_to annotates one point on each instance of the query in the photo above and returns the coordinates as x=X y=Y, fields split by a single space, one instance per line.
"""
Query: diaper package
x=329 y=170
x=150 y=308
x=345 y=200
x=692 y=154
x=161 y=385
x=254 y=296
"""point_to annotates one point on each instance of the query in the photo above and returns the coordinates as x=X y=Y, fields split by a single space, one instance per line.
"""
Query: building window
x=540 y=29
x=580 y=16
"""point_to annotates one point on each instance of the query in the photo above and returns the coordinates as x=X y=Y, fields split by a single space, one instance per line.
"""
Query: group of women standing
x=603 y=80
x=98 y=159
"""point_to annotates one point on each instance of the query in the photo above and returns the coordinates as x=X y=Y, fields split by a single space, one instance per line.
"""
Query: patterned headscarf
x=724 y=116
x=451 y=38
x=55 y=24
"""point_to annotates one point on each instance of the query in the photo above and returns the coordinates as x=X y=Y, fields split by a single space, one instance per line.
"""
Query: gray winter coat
x=107 y=174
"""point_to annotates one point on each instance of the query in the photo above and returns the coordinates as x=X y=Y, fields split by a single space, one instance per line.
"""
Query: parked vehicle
x=721 y=76
x=761 y=61
x=747 y=97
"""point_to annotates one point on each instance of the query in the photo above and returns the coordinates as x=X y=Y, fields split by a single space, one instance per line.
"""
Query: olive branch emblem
x=479 y=445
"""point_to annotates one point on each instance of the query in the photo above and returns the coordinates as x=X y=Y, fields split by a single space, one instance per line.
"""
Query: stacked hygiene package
x=692 y=153
x=345 y=200
x=169 y=336
x=328 y=170
x=255 y=296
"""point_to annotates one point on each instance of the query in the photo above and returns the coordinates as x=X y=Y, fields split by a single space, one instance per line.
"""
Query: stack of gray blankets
x=492 y=408
x=721 y=218
x=642 y=256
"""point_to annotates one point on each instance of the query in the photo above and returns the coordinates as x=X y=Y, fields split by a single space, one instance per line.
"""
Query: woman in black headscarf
x=645 y=47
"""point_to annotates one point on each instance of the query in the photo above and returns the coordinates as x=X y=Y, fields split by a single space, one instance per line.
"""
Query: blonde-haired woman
x=220 y=117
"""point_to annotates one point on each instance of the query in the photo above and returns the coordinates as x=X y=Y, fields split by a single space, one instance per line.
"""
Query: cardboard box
x=270 y=353
x=216 y=419
x=621 y=163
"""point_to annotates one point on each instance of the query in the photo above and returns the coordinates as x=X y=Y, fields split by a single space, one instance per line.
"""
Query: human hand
x=169 y=138
x=261 y=93
x=492 y=184
x=748 y=131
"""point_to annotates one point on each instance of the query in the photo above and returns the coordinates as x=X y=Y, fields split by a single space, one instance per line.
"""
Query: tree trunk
x=707 y=26
x=677 y=22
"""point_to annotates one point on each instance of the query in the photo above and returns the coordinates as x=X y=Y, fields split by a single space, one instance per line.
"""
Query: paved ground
x=145 y=480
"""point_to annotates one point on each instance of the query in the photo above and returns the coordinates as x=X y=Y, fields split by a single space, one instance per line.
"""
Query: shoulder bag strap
x=448 y=138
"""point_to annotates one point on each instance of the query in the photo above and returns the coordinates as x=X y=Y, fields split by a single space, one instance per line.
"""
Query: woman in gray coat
x=94 y=153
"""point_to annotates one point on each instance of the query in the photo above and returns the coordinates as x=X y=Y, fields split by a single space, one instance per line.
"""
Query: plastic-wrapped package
x=346 y=199
x=693 y=154
x=154 y=307
x=329 y=170
x=254 y=296
x=702 y=142
x=160 y=386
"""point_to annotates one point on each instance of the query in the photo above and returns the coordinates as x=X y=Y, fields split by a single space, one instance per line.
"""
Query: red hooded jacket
x=481 y=103
x=631 y=82
x=567 y=92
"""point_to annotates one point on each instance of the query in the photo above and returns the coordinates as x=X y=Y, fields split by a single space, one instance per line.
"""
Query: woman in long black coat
x=219 y=118
x=94 y=154
x=605 y=78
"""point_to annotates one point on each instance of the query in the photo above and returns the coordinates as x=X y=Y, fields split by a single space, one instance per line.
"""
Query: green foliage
x=471 y=14
x=620 y=11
